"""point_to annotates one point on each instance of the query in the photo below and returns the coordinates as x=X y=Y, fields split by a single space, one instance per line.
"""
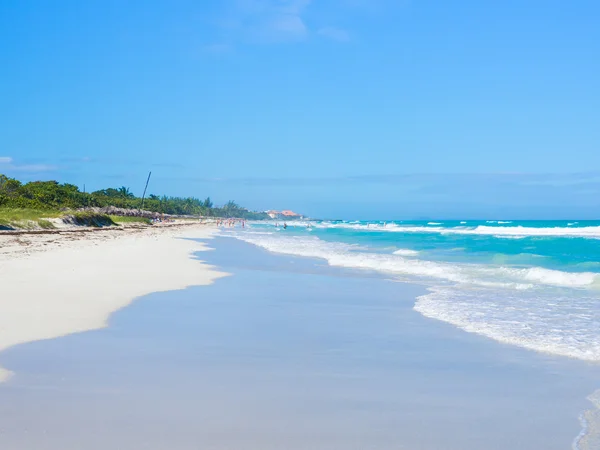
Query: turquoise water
x=535 y=284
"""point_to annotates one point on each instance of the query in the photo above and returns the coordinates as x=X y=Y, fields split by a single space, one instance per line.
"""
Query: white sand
x=58 y=284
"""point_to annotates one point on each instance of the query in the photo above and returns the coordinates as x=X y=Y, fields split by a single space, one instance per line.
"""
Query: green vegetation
x=45 y=224
x=53 y=196
x=130 y=219
x=26 y=218
x=19 y=214
x=88 y=219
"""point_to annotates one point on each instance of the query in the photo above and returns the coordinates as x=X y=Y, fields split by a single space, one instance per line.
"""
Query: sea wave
x=406 y=252
x=556 y=323
x=485 y=230
x=558 y=278
x=529 y=231
x=541 y=309
x=348 y=255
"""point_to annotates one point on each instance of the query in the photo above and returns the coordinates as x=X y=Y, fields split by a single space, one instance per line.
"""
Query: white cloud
x=280 y=21
x=289 y=24
x=292 y=6
x=337 y=34
x=32 y=168
x=7 y=164
x=267 y=21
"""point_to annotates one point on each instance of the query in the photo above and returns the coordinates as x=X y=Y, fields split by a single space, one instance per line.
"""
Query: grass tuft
x=45 y=224
x=130 y=219
x=89 y=219
x=28 y=219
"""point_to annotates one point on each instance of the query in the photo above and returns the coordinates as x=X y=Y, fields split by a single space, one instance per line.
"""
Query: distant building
x=286 y=214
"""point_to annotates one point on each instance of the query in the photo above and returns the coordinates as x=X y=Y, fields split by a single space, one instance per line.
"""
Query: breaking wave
x=406 y=252
x=484 y=230
x=347 y=255
x=538 y=308
x=548 y=322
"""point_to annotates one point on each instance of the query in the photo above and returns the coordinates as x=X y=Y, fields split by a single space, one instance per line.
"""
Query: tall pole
x=146 y=187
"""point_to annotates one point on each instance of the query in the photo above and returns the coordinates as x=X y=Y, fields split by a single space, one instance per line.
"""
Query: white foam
x=485 y=230
x=541 y=276
x=406 y=252
x=529 y=231
x=557 y=277
x=589 y=437
x=555 y=323
x=345 y=255
x=296 y=223
x=540 y=309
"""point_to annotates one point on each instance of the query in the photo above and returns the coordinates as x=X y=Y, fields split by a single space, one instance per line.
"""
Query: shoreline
x=348 y=345
x=70 y=281
x=589 y=417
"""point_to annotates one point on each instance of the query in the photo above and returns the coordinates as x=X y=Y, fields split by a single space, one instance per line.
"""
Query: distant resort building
x=286 y=214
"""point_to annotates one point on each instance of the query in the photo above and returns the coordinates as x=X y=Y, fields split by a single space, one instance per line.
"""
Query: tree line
x=52 y=195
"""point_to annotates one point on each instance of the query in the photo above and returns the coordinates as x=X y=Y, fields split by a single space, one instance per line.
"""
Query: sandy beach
x=70 y=281
x=284 y=353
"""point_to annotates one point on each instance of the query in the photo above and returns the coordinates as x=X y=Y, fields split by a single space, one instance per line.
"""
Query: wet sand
x=286 y=354
x=55 y=284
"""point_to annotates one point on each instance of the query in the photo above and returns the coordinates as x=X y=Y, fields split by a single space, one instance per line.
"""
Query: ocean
x=532 y=284
x=535 y=284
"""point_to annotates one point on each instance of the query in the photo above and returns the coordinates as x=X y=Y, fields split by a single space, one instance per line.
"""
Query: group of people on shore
x=231 y=223
x=162 y=219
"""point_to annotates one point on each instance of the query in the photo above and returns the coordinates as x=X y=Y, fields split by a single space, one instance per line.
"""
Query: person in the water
x=284 y=225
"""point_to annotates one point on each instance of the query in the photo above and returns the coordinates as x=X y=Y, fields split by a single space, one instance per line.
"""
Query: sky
x=352 y=109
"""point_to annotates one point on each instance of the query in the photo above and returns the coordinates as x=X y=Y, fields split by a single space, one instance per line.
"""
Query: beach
x=287 y=352
x=299 y=225
x=59 y=283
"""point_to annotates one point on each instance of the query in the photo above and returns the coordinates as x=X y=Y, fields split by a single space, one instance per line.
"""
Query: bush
x=45 y=195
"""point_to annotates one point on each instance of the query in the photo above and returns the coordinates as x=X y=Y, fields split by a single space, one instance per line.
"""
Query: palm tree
x=125 y=192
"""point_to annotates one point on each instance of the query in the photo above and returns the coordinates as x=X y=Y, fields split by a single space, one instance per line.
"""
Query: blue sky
x=345 y=108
